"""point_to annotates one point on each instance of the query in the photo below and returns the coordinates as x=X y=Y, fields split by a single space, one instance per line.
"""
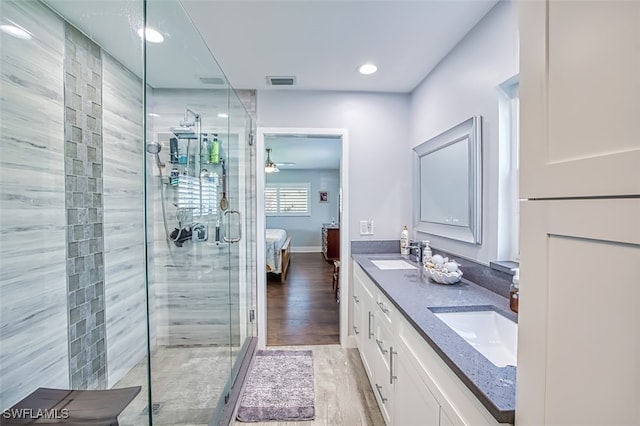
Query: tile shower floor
x=186 y=381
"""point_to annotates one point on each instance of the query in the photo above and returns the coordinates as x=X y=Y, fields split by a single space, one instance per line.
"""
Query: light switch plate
x=363 y=227
x=366 y=227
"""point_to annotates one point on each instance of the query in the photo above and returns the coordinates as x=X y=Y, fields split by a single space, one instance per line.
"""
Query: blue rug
x=279 y=387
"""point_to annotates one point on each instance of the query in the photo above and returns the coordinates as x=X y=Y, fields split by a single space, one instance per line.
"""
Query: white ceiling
x=306 y=152
x=321 y=42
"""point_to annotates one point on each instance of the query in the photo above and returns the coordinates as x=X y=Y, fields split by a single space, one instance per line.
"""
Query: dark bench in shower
x=46 y=406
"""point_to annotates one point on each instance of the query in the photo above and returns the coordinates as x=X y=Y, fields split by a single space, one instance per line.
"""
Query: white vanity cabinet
x=363 y=321
x=371 y=340
x=415 y=404
x=412 y=384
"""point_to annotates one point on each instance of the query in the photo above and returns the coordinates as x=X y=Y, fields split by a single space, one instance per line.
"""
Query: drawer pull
x=370 y=332
x=384 y=308
x=378 y=387
x=391 y=375
x=355 y=330
x=355 y=298
x=382 y=349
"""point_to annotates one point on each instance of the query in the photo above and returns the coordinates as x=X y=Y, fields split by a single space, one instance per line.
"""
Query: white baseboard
x=310 y=249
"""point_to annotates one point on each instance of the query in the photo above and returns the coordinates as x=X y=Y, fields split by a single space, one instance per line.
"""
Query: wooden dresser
x=331 y=241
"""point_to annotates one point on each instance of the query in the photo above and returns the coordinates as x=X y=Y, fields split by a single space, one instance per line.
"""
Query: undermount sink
x=491 y=334
x=393 y=264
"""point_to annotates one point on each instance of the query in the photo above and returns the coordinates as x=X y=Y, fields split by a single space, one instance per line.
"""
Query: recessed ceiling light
x=367 y=69
x=16 y=31
x=151 y=35
x=223 y=115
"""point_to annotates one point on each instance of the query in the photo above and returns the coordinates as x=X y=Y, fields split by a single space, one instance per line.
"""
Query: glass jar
x=514 y=294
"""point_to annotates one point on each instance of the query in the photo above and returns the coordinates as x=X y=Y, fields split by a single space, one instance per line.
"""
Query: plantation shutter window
x=287 y=199
x=271 y=199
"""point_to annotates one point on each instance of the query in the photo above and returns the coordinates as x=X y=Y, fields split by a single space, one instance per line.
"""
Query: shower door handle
x=234 y=240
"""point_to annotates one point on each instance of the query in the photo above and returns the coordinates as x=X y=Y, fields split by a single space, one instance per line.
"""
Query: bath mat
x=279 y=387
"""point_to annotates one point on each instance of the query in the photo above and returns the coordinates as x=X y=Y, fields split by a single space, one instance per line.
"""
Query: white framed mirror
x=448 y=183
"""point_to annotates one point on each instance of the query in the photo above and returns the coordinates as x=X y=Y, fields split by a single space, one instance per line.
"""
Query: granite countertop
x=413 y=293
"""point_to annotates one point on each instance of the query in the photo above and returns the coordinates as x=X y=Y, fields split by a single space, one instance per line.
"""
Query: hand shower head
x=154 y=148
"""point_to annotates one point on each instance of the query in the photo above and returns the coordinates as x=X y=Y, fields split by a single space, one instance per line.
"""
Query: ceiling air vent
x=281 y=81
x=212 y=80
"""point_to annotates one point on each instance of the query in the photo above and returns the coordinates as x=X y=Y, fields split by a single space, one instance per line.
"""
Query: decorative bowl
x=443 y=277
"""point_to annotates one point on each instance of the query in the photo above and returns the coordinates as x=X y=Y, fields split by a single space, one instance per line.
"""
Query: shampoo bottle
x=173 y=150
x=215 y=150
x=404 y=241
x=204 y=151
x=218 y=231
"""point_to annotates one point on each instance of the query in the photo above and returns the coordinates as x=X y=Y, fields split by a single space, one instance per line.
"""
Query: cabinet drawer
x=383 y=389
x=384 y=343
x=357 y=315
x=361 y=277
x=385 y=307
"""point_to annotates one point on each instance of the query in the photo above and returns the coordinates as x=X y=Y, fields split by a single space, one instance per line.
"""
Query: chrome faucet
x=415 y=251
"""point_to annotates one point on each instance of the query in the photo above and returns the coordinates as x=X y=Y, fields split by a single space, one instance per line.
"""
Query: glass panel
x=72 y=262
x=241 y=166
x=190 y=259
x=116 y=175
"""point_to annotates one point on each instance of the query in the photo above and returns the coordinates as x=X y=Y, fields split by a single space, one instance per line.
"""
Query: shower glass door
x=199 y=283
x=242 y=229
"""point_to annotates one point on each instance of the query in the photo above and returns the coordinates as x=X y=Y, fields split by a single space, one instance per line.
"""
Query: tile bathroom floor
x=343 y=393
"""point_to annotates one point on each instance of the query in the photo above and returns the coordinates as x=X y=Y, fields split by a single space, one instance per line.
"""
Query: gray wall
x=379 y=159
x=465 y=83
x=305 y=231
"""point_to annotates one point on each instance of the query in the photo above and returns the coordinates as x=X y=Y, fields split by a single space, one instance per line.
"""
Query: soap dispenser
x=514 y=290
x=426 y=252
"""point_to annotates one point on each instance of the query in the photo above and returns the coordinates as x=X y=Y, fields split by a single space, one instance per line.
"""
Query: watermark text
x=36 y=413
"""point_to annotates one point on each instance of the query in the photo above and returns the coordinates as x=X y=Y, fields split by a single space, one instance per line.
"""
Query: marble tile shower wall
x=83 y=181
x=124 y=270
x=33 y=288
x=72 y=302
x=190 y=284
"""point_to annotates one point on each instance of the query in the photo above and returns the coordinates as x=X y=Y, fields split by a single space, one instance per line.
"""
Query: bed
x=277 y=250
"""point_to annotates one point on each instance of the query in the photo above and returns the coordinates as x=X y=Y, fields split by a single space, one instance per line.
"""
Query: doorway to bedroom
x=302 y=214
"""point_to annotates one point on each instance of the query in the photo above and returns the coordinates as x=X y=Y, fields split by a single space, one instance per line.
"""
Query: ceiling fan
x=271 y=166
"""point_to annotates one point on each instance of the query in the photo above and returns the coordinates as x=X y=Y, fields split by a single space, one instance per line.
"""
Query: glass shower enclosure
x=129 y=180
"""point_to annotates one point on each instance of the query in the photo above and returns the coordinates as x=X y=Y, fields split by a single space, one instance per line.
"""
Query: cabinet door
x=579 y=98
x=414 y=403
x=365 y=319
x=357 y=314
x=578 y=339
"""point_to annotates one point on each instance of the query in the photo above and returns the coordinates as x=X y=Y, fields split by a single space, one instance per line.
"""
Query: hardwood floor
x=303 y=310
